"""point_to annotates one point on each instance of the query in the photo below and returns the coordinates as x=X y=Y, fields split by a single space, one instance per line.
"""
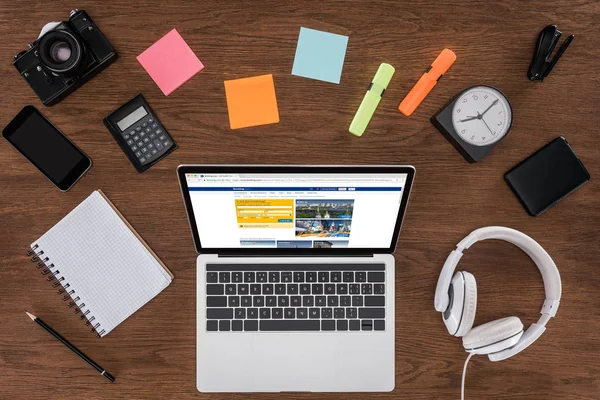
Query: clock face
x=481 y=116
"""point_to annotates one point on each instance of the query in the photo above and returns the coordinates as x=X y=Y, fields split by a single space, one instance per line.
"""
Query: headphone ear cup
x=493 y=336
x=470 y=304
x=460 y=314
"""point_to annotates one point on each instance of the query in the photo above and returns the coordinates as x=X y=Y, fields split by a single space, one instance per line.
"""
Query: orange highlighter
x=438 y=68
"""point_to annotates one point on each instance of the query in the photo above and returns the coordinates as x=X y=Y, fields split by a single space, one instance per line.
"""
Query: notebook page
x=101 y=259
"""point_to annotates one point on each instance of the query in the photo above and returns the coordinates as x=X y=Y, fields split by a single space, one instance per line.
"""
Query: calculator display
x=132 y=118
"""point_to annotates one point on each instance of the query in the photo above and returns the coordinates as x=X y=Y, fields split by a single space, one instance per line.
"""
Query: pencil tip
x=33 y=317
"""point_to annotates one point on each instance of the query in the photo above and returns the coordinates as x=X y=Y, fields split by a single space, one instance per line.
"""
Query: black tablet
x=547 y=176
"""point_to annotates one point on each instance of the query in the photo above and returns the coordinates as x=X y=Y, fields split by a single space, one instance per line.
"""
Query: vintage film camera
x=64 y=56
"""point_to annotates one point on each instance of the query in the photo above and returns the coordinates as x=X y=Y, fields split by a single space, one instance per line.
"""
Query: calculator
x=140 y=134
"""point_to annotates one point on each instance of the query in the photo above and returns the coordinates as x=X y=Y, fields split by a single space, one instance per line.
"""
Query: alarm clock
x=475 y=121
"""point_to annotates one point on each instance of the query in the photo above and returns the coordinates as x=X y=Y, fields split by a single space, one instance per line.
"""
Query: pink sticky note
x=170 y=62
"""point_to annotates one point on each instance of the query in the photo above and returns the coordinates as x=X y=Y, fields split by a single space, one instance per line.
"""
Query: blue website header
x=294 y=189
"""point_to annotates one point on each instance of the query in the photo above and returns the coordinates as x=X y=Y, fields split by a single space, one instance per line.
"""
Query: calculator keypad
x=147 y=140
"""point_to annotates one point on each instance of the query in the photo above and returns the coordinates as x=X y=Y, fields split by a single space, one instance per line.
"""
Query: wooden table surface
x=152 y=354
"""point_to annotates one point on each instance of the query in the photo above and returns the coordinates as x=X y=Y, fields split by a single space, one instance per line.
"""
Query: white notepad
x=108 y=269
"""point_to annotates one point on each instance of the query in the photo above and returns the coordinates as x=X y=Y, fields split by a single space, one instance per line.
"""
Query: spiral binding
x=51 y=274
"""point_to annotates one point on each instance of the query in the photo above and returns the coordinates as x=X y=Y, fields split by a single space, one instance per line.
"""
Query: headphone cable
x=464 y=374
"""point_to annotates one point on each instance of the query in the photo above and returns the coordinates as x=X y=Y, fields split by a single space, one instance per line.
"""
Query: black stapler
x=541 y=64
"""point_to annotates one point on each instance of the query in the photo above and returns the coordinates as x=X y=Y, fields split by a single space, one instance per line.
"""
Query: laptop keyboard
x=295 y=297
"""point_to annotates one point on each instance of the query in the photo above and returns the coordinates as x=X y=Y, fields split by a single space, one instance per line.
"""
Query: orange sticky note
x=251 y=101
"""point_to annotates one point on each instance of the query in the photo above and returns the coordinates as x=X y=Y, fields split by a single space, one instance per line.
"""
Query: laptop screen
x=295 y=210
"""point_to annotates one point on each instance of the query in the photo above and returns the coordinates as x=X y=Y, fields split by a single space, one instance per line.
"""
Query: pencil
x=73 y=348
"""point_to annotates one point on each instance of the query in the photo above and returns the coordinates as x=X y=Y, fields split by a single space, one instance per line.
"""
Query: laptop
x=295 y=277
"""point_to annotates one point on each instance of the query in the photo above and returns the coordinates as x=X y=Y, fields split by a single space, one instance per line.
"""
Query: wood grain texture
x=152 y=354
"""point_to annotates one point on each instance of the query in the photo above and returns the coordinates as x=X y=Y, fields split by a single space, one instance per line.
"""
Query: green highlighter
x=371 y=100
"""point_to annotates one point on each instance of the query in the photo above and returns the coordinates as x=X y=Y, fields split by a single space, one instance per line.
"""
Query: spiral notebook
x=99 y=264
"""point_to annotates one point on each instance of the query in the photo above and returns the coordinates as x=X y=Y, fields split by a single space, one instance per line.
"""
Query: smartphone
x=47 y=148
x=547 y=176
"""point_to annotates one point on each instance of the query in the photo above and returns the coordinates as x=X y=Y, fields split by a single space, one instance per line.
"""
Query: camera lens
x=60 y=52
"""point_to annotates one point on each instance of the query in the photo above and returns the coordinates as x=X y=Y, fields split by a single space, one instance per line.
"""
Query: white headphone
x=456 y=299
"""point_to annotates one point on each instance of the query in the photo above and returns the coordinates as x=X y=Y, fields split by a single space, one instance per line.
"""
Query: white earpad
x=470 y=304
x=494 y=336
x=460 y=314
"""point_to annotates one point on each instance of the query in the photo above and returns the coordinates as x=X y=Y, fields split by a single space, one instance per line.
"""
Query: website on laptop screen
x=296 y=210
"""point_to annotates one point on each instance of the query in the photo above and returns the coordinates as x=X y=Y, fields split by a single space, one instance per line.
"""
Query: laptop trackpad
x=332 y=361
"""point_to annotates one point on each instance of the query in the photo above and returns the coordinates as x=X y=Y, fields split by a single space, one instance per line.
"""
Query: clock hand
x=487 y=109
x=486 y=125
x=467 y=119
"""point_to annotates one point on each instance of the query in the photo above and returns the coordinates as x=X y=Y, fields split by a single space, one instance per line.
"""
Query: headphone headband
x=550 y=274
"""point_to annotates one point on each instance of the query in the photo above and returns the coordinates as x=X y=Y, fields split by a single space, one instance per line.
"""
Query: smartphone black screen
x=46 y=147
x=547 y=176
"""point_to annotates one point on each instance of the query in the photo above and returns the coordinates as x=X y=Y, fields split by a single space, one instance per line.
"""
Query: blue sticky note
x=320 y=55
